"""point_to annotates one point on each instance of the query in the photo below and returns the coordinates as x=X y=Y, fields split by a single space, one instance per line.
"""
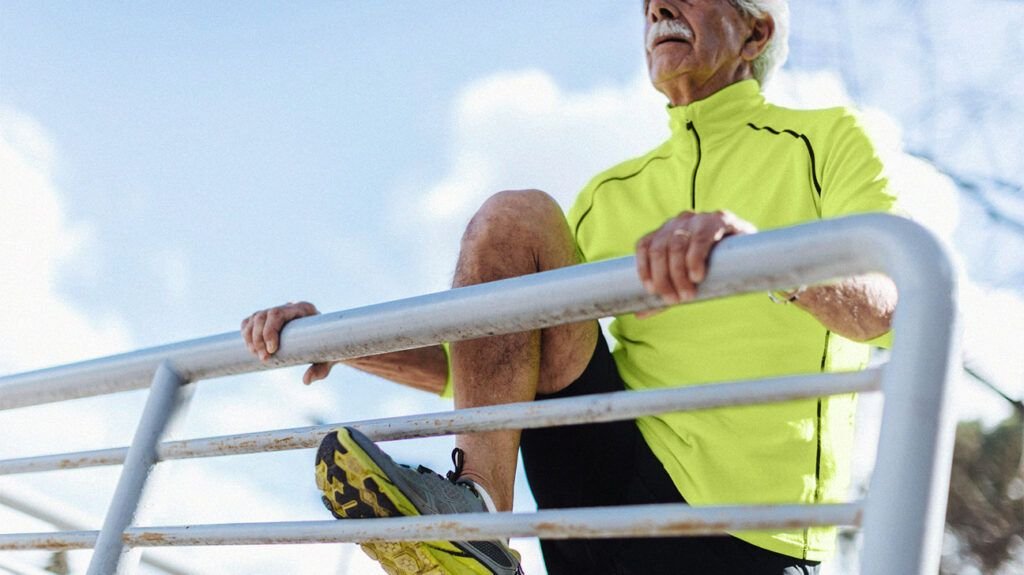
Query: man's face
x=695 y=39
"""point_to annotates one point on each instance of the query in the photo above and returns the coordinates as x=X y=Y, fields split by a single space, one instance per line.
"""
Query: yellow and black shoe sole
x=355 y=487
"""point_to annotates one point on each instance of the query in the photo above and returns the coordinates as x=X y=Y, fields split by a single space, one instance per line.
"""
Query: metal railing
x=902 y=517
x=60 y=515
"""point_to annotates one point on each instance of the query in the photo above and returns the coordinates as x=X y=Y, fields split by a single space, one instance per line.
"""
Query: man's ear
x=762 y=30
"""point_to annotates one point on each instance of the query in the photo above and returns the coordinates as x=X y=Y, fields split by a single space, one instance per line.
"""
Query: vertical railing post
x=906 y=503
x=160 y=405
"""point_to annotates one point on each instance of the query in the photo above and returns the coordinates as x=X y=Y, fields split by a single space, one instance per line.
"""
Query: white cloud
x=993 y=325
x=37 y=244
x=517 y=130
x=797 y=89
x=456 y=195
x=36 y=240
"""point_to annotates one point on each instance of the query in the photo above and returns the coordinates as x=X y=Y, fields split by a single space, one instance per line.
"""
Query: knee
x=514 y=217
x=514 y=233
x=521 y=200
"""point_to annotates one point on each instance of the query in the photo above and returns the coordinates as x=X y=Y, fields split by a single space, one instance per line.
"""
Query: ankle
x=494 y=500
x=484 y=495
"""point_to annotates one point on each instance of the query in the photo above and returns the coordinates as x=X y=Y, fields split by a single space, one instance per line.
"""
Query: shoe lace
x=458 y=461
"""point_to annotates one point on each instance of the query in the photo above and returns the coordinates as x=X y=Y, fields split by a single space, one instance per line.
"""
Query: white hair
x=775 y=53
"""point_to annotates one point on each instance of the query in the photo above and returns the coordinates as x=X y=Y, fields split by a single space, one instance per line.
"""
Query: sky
x=165 y=170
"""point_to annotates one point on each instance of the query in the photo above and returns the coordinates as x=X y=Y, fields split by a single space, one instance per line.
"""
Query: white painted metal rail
x=908 y=488
x=58 y=514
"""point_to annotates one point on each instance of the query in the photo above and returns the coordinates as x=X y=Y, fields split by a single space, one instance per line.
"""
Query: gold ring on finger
x=685 y=234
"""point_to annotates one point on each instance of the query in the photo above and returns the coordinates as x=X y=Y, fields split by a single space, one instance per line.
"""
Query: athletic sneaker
x=360 y=481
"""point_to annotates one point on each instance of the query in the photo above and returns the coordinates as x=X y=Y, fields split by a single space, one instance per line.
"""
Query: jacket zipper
x=817 y=463
x=693 y=184
x=817 y=457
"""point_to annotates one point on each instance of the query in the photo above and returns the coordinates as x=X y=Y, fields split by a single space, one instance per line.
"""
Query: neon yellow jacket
x=773 y=167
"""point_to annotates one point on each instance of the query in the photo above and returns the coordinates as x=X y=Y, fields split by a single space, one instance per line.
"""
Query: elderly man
x=733 y=164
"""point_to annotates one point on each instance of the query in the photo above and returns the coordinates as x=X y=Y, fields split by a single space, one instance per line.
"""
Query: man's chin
x=661 y=79
x=666 y=69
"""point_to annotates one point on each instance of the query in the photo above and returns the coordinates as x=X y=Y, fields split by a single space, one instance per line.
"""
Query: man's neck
x=685 y=89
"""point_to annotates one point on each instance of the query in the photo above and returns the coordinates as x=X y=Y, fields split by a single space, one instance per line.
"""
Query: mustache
x=667 y=28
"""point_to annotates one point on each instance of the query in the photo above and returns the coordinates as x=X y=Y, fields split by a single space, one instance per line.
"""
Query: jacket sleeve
x=853 y=178
x=854 y=181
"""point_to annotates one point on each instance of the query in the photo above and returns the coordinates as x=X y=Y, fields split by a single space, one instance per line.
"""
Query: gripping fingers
x=680 y=241
x=259 y=346
x=643 y=266
x=262 y=330
x=643 y=270
x=697 y=257
x=276 y=318
x=660 y=276
x=715 y=227
x=673 y=260
x=247 y=335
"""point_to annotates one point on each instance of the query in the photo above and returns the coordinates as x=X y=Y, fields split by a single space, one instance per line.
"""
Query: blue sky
x=166 y=169
x=176 y=123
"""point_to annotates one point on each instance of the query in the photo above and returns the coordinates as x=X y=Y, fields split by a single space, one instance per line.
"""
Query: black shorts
x=605 y=464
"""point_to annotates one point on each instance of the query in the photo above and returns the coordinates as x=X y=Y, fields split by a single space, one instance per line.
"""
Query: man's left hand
x=672 y=260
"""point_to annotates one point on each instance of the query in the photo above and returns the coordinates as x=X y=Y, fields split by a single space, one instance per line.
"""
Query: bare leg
x=513 y=234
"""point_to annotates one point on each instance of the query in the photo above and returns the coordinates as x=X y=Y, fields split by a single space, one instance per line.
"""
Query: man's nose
x=659 y=10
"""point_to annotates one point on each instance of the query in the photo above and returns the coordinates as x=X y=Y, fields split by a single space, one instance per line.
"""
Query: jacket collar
x=719 y=112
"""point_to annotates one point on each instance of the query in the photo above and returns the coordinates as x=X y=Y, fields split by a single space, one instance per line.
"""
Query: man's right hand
x=673 y=260
x=262 y=334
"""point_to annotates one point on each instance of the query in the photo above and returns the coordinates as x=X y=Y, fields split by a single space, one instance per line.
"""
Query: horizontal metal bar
x=662 y=520
x=587 y=409
x=52 y=541
x=766 y=260
x=60 y=515
x=73 y=460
